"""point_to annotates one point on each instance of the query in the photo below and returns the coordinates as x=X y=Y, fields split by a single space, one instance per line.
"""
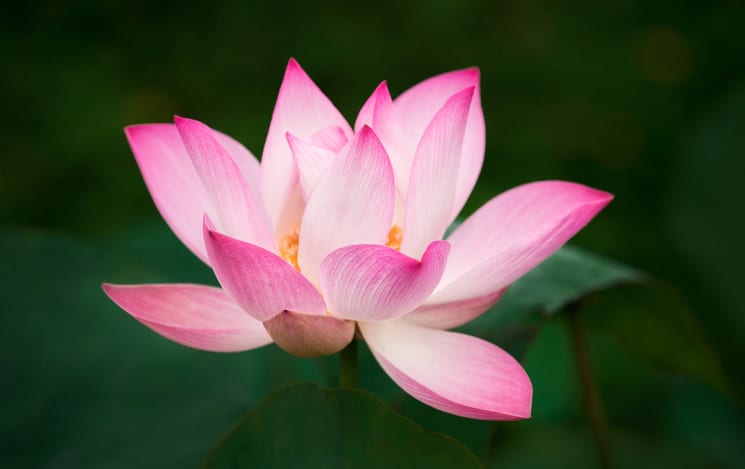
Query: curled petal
x=434 y=175
x=352 y=203
x=303 y=110
x=416 y=108
x=455 y=313
x=452 y=372
x=173 y=182
x=259 y=280
x=376 y=283
x=239 y=212
x=197 y=316
x=513 y=233
x=309 y=335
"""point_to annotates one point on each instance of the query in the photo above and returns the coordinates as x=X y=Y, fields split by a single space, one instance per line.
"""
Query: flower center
x=288 y=244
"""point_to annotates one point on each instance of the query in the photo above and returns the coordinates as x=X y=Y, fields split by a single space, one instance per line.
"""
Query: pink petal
x=453 y=314
x=371 y=282
x=417 y=106
x=311 y=162
x=245 y=161
x=449 y=371
x=239 y=213
x=197 y=316
x=302 y=109
x=331 y=138
x=379 y=114
x=513 y=233
x=258 y=280
x=352 y=203
x=173 y=182
x=434 y=175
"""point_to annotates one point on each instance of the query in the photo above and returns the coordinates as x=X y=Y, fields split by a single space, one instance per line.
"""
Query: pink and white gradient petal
x=352 y=203
x=417 y=106
x=455 y=313
x=239 y=213
x=260 y=281
x=311 y=161
x=246 y=162
x=512 y=233
x=173 y=182
x=370 y=282
x=197 y=316
x=449 y=371
x=434 y=175
x=302 y=109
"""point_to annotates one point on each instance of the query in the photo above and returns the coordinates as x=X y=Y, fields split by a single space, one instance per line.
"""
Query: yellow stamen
x=394 y=238
x=288 y=248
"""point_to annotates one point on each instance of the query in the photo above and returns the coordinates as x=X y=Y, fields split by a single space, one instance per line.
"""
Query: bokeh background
x=642 y=99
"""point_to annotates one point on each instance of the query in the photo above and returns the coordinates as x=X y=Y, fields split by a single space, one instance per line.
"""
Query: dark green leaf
x=306 y=426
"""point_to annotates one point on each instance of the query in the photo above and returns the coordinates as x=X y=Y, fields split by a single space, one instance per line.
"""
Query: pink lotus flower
x=338 y=227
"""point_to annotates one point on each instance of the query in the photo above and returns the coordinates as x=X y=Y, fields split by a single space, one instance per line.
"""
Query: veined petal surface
x=197 y=316
x=452 y=372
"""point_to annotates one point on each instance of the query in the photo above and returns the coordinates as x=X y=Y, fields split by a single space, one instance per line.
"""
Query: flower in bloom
x=341 y=227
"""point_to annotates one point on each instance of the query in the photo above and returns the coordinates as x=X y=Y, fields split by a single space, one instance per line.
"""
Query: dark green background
x=642 y=99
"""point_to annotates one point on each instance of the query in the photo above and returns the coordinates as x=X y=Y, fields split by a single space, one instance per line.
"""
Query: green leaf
x=307 y=426
x=565 y=278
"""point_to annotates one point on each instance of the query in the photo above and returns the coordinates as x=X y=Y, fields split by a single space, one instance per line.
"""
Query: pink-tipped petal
x=513 y=233
x=197 y=316
x=246 y=162
x=238 y=211
x=258 y=280
x=416 y=107
x=352 y=203
x=309 y=336
x=449 y=371
x=173 y=182
x=311 y=161
x=434 y=175
x=455 y=313
x=302 y=109
x=379 y=114
x=370 y=282
x=331 y=138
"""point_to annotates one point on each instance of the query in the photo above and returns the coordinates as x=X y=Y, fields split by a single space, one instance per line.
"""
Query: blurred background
x=643 y=99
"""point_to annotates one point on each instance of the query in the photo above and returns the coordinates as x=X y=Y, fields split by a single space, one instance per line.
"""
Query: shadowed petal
x=258 y=280
x=303 y=110
x=434 y=175
x=371 y=282
x=455 y=313
x=352 y=203
x=309 y=336
x=197 y=316
x=417 y=106
x=311 y=161
x=173 y=182
x=513 y=233
x=452 y=372
x=239 y=212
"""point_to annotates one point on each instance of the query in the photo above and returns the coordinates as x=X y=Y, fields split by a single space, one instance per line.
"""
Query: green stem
x=590 y=394
x=348 y=368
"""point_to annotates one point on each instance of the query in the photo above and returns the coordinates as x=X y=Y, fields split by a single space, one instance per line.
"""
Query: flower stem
x=590 y=394
x=348 y=366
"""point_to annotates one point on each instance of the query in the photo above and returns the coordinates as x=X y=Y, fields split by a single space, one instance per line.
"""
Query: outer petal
x=303 y=110
x=352 y=203
x=173 y=182
x=455 y=313
x=371 y=282
x=513 y=233
x=309 y=335
x=379 y=114
x=418 y=105
x=245 y=161
x=452 y=372
x=258 y=280
x=434 y=175
x=239 y=212
x=311 y=161
x=193 y=315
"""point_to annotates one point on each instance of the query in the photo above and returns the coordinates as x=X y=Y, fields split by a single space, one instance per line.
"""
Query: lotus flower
x=338 y=227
